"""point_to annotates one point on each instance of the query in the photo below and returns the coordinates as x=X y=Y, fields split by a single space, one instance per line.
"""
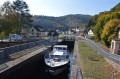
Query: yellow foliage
x=2 y=33
x=109 y=30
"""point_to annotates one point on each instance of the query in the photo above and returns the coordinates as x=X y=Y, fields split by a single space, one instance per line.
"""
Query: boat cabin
x=60 y=47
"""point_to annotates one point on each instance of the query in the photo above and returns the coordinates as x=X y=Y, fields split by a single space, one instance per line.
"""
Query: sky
x=65 y=7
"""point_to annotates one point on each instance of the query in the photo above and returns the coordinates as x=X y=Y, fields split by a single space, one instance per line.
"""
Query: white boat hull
x=57 y=70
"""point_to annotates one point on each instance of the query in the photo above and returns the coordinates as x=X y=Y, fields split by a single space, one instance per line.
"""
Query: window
x=59 y=48
x=64 y=48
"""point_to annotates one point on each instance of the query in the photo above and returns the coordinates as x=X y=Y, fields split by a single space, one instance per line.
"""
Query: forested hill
x=104 y=25
x=61 y=23
x=116 y=8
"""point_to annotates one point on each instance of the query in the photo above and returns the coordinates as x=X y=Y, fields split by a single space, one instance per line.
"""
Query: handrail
x=79 y=70
x=112 y=73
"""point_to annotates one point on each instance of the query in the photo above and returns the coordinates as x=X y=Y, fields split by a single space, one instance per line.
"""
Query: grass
x=93 y=69
x=61 y=36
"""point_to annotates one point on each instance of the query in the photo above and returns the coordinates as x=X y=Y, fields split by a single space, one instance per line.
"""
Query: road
x=113 y=57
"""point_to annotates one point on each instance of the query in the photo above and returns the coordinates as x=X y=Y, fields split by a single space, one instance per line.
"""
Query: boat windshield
x=58 y=56
x=60 y=48
x=64 y=48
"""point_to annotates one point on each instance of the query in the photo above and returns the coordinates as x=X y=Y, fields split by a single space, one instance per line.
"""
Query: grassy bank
x=93 y=64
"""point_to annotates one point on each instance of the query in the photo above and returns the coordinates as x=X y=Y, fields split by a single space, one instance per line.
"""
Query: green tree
x=22 y=10
x=92 y=22
x=8 y=19
x=116 y=8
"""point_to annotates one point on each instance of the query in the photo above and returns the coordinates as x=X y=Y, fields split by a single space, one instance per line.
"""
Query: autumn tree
x=102 y=21
x=109 y=31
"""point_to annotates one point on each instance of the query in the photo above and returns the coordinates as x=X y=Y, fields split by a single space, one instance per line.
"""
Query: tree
x=109 y=32
x=102 y=20
x=22 y=10
x=8 y=19
x=92 y=22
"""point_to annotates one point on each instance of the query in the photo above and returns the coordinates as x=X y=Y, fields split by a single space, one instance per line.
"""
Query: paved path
x=76 y=72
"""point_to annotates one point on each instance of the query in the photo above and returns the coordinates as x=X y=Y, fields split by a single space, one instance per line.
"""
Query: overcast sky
x=65 y=7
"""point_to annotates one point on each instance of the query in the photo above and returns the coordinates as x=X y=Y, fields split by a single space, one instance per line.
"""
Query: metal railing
x=5 y=52
x=4 y=38
x=112 y=73
x=33 y=38
x=79 y=73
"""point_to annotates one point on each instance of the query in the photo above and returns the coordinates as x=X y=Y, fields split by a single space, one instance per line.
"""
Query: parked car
x=15 y=37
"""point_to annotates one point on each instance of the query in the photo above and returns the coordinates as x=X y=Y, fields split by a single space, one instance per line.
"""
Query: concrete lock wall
x=26 y=62
x=17 y=48
x=1 y=55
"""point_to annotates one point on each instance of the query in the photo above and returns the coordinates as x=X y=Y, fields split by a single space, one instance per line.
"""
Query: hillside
x=104 y=25
x=61 y=23
x=93 y=20
x=116 y=8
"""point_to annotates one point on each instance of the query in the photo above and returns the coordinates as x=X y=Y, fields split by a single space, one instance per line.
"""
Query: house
x=76 y=30
x=115 y=43
x=37 y=31
x=90 y=33
x=70 y=32
x=83 y=32
x=53 y=36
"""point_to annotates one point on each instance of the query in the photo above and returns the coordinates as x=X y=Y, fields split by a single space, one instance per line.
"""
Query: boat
x=58 y=60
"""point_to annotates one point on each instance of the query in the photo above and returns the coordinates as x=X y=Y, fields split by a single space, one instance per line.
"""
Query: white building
x=37 y=31
x=90 y=33
x=53 y=36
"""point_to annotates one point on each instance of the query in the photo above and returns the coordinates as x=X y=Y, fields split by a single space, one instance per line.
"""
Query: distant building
x=115 y=43
x=59 y=32
x=70 y=32
x=83 y=32
x=53 y=36
x=37 y=31
x=90 y=33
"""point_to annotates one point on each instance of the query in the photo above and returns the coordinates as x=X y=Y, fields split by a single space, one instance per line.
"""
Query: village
x=59 y=39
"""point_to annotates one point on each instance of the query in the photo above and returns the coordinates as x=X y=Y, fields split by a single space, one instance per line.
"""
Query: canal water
x=36 y=69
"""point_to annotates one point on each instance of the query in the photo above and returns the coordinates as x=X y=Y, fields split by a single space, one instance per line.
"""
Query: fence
x=4 y=38
x=33 y=38
x=5 y=52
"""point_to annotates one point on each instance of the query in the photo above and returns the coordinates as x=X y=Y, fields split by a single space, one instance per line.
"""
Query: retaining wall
x=19 y=63
x=5 y=52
